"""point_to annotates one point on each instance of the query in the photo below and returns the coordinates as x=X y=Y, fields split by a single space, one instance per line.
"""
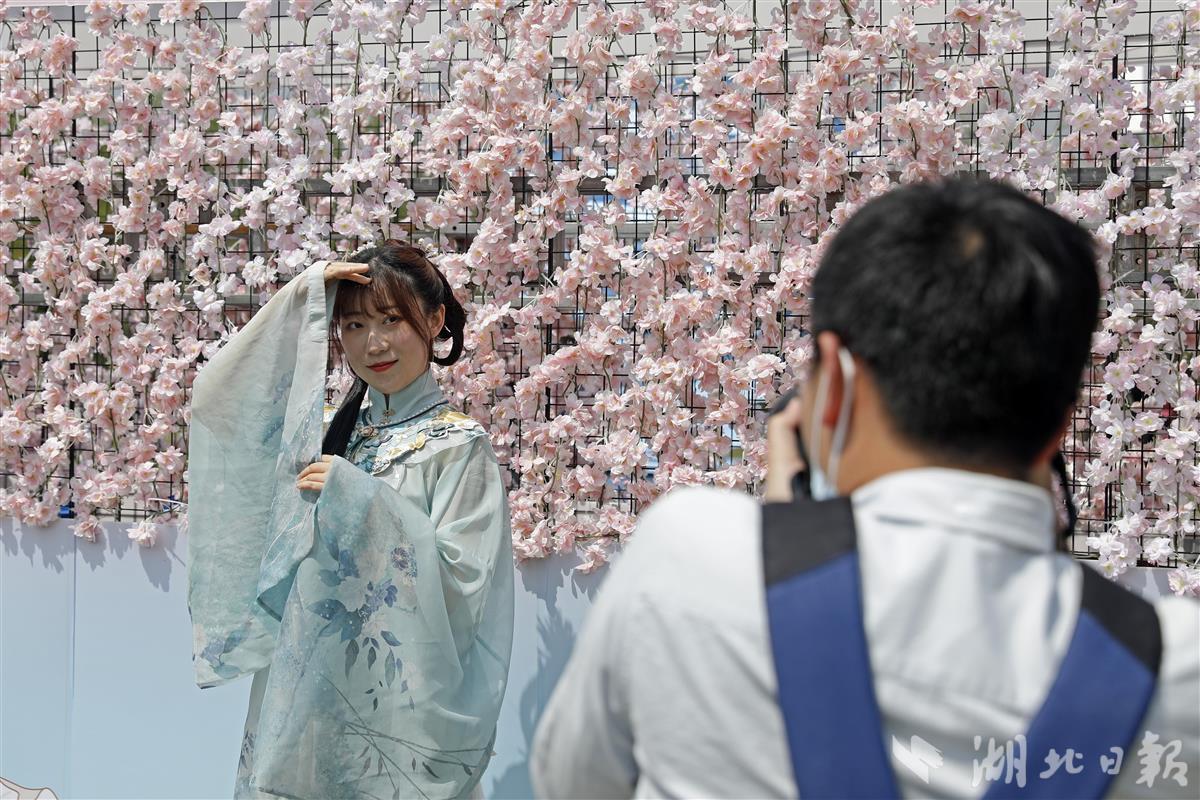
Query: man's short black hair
x=973 y=306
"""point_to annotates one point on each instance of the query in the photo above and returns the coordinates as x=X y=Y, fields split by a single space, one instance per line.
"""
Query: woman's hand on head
x=346 y=270
x=313 y=476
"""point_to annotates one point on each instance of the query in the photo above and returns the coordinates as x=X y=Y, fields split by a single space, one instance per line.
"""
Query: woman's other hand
x=346 y=270
x=313 y=476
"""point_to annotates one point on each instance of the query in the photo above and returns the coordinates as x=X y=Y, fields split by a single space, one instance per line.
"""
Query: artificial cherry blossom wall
x=634 y=196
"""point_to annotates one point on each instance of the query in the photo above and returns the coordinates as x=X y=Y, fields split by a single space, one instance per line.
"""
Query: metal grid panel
x=658 y=114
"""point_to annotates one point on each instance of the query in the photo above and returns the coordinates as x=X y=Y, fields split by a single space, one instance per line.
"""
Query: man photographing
x=910 y=629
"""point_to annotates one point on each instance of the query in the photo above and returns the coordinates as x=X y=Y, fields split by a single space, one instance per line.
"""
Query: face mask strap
x=843 y=424
x=814 y=466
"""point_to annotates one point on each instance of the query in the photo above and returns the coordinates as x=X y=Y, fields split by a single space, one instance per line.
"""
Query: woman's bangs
x=386 y=291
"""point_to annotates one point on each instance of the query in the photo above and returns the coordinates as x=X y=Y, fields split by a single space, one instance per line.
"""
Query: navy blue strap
x=814 y=614
x=1117 y=642
x=826 y=693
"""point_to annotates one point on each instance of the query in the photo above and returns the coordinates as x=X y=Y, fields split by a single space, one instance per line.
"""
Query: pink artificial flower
x=87 y=527
x=594 y=557
x=145 y=533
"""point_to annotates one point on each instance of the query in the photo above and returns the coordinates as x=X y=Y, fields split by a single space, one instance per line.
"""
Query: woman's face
x=384 y=349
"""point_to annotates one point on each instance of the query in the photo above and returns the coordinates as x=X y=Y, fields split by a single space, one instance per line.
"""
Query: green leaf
x=390 y=669
x=328 y=609
x=351 y=655
x=225 y=671
x=370 y=658
x=351 y=626
x=329 y=577
x=390 y=639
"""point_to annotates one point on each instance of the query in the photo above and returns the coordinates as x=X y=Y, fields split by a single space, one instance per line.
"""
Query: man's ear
x=828 y=345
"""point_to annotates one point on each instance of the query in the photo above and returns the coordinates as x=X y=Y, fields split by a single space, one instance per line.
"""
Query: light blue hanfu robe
x=376 y=615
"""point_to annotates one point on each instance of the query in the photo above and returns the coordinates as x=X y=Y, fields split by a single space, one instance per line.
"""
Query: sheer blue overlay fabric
x=376 y=615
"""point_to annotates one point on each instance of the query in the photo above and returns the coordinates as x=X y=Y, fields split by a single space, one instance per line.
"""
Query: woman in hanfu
x=358 y=563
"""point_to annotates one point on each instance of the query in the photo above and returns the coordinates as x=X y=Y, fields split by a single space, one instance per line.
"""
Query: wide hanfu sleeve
x=255 y=423
x=396 y=638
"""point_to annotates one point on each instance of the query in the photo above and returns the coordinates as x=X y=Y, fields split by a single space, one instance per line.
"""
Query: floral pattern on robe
x=375 y=615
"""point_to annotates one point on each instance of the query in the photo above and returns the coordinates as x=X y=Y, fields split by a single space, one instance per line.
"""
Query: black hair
x=405 y=280
x=973 y=307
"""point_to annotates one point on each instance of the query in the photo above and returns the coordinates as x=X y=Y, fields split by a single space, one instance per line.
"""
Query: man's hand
x=313 y=476
x=783 y=456
x=347 y=270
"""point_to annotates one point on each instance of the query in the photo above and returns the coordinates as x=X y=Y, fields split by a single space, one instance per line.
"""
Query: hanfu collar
x=413 y=400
